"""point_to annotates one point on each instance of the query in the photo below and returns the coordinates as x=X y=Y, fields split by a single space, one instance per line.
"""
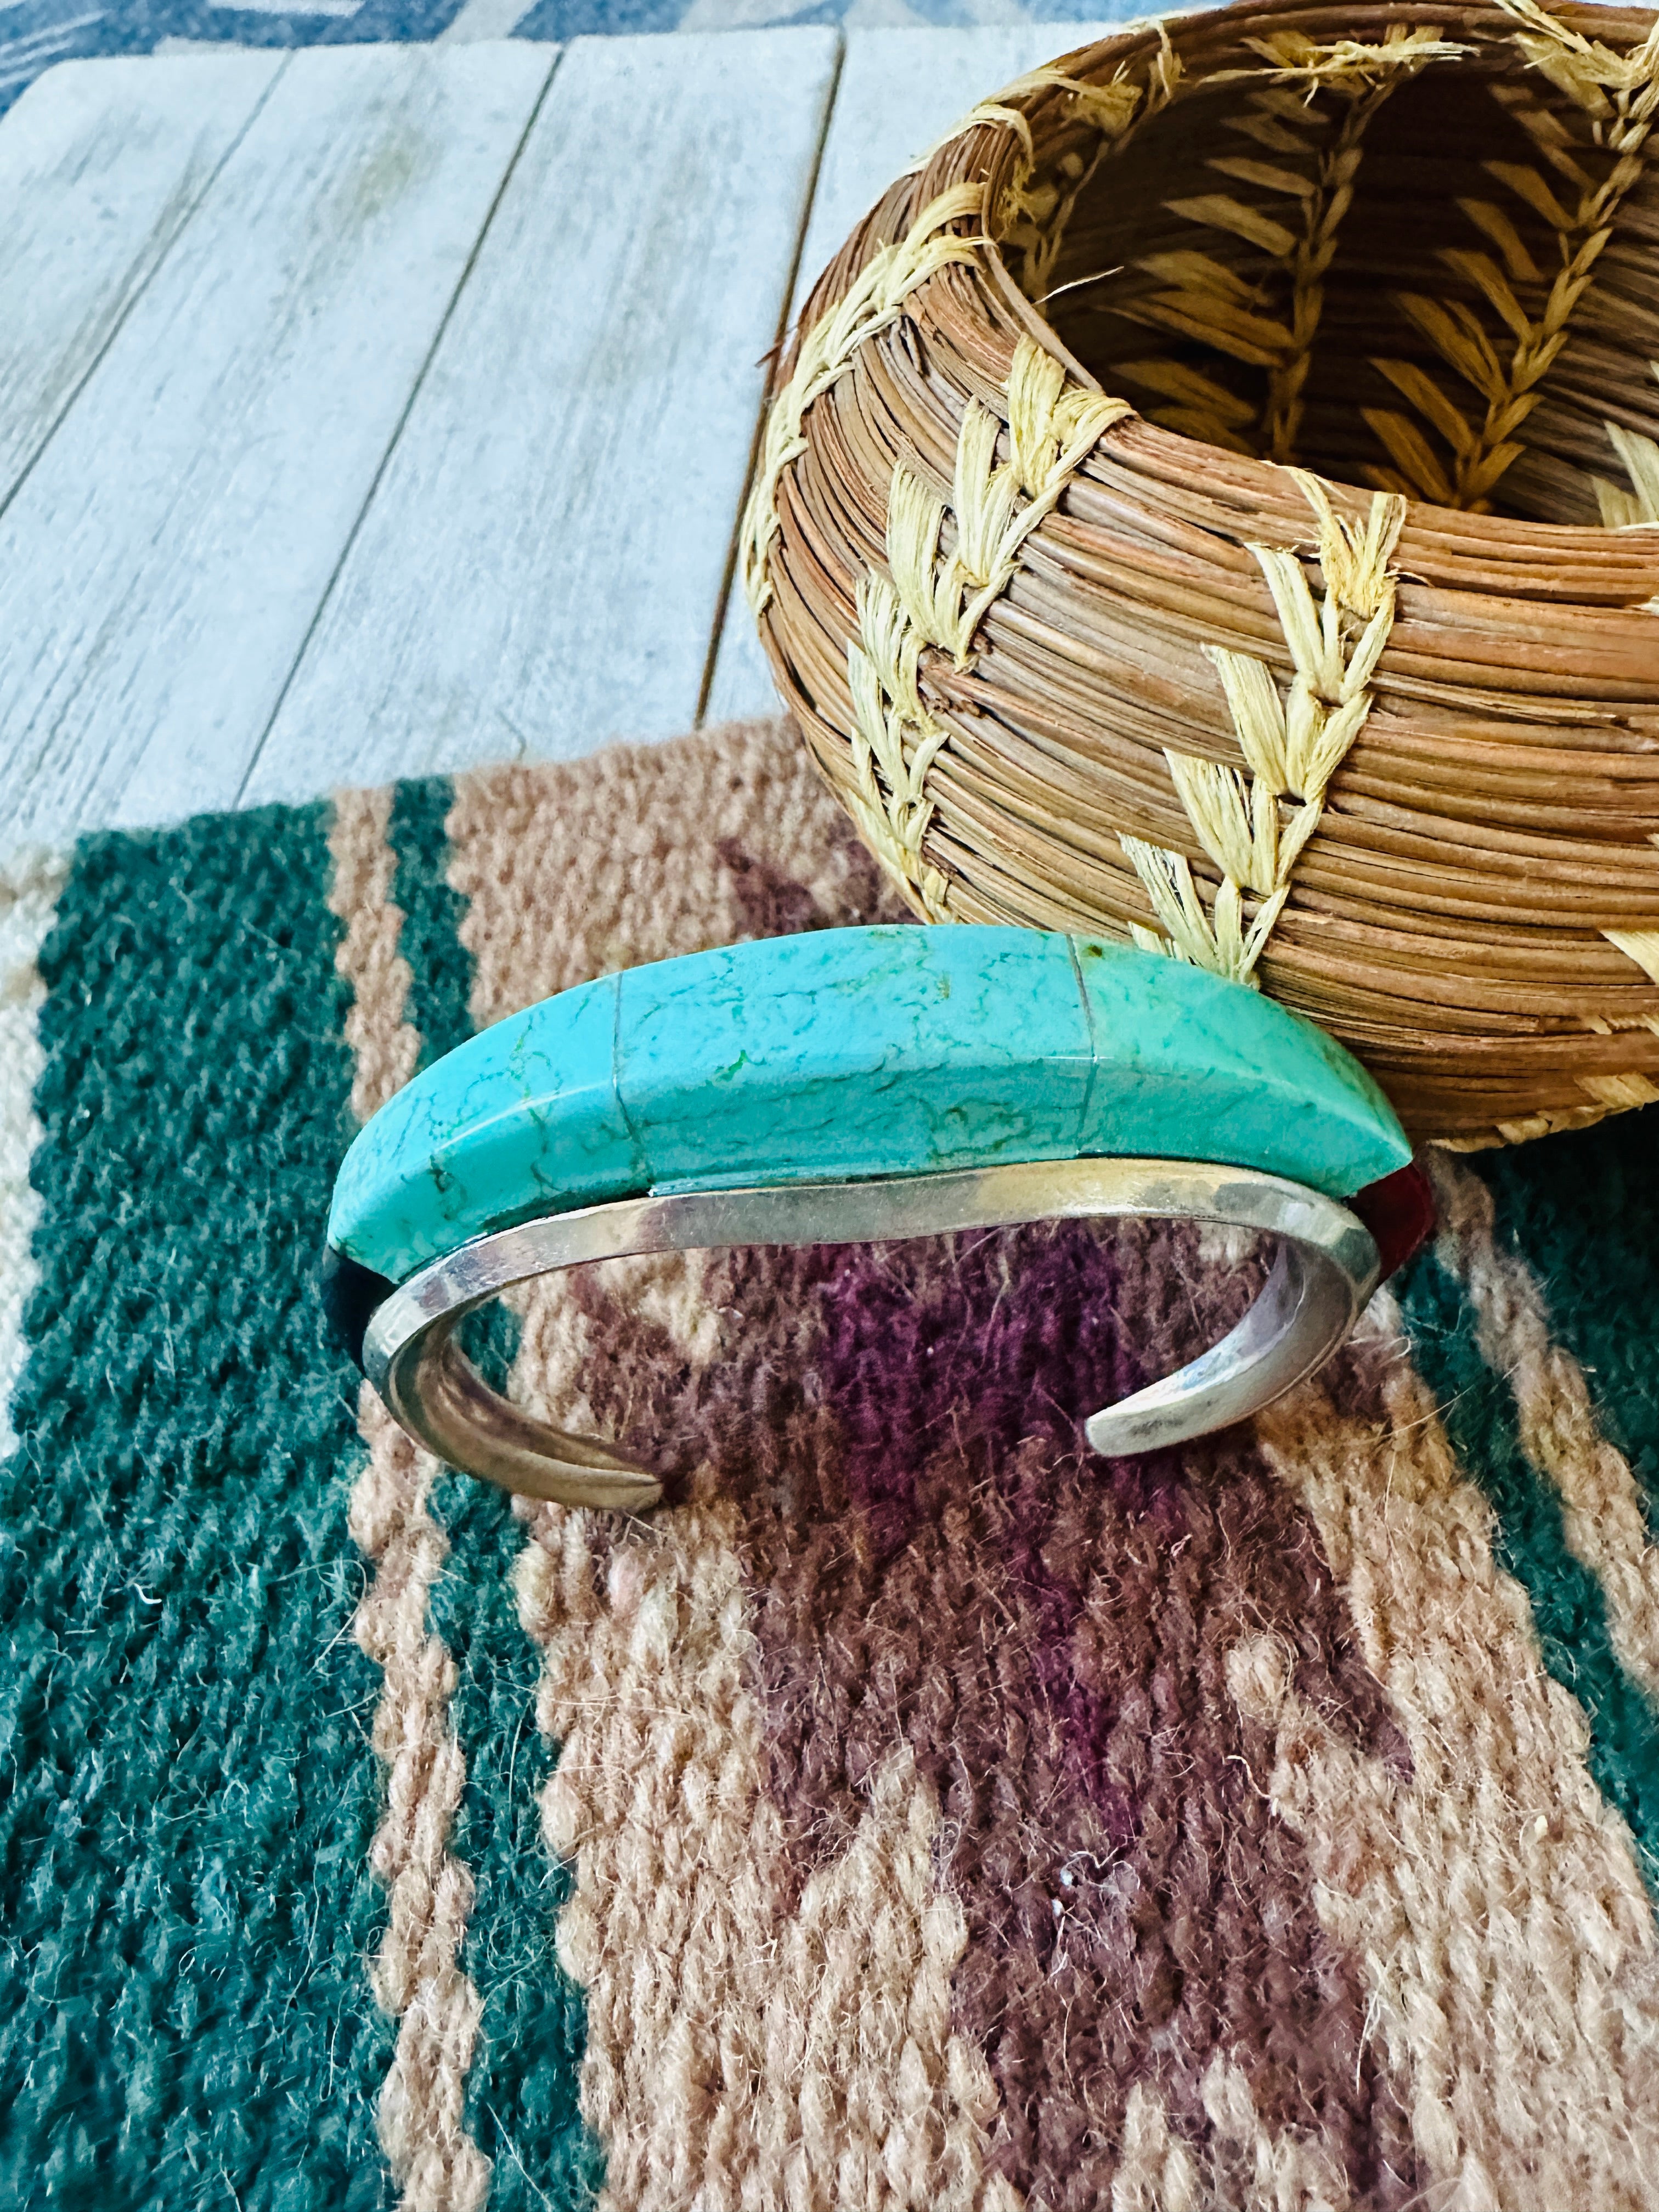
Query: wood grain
x=102 y=166
x=542 y=563
x=163 y=562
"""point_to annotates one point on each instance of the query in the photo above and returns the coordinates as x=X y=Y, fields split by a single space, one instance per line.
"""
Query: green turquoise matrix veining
x=852 y=1052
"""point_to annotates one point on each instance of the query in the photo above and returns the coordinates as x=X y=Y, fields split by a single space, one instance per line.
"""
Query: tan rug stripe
x=770 y=2058
x=29 y=887
x=384 y=1048
x=760 y=2053
x=1494 y=1897
x=1245 y=2160
x=1602 y=1517
x=416 y=1976
x=1156 y=2171
x=1247 y=2167
x=570 y=873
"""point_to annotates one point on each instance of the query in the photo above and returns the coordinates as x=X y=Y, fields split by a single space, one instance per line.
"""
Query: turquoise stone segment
x=522 y=1119
x=850 y=1053
x=855 y=1051
x=1191 y=1066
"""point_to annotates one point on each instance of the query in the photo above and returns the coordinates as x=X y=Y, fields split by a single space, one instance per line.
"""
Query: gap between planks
x=660 y=638
x=540 y=567
x=163 y=561
x=900 y=90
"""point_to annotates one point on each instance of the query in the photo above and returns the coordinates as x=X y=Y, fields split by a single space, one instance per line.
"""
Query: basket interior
x=1381 y=280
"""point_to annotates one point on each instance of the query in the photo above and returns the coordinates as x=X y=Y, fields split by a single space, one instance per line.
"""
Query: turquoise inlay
x=1193 y=1068
x=521 y=1120
x=853 y=1052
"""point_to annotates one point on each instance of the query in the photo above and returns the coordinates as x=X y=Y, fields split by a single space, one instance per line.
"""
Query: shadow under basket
x=1213 y=499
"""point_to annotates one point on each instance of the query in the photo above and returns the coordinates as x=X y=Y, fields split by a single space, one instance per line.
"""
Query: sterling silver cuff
x=1327 y=1266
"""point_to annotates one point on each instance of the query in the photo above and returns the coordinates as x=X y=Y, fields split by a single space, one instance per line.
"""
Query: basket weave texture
x=1212 y=498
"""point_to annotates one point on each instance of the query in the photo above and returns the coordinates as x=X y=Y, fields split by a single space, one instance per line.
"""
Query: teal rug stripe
x=1568 y=1608
x=440 y=967
x=1583 y=1211
x=190 y=1792
x=521 y=2107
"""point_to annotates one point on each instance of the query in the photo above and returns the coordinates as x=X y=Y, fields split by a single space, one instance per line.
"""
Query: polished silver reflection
x=1325 y=1269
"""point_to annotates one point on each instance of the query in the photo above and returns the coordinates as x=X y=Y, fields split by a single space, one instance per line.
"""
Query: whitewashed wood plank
x=542 y=563
x=899 y=91
x=162 y=563
x=102 y=164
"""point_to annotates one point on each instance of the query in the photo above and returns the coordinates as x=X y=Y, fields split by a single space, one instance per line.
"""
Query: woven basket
x=1210 y=498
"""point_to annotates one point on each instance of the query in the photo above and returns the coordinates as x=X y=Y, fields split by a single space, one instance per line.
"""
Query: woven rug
x=922 y=1813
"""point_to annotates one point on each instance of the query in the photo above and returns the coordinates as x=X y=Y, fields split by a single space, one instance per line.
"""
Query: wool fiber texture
x=916 y=1813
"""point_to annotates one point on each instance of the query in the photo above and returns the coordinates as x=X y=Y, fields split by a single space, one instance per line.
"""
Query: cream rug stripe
x=417 y=1975
x=772 y=2058
x=804 y=2056
x=640 y=873
x=1247 y=2167
x=1156 y=2171
x=28 y=893
x=739 y=2052
x=1494 y=1896
x=384 y=1045
x=1603 y=1515
x=1258 y=2168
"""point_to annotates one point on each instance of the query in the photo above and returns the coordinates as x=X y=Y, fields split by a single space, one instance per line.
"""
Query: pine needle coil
x=1214 y=498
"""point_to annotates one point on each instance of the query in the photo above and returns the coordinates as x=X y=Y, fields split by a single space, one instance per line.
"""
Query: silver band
x=1326 y=1268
